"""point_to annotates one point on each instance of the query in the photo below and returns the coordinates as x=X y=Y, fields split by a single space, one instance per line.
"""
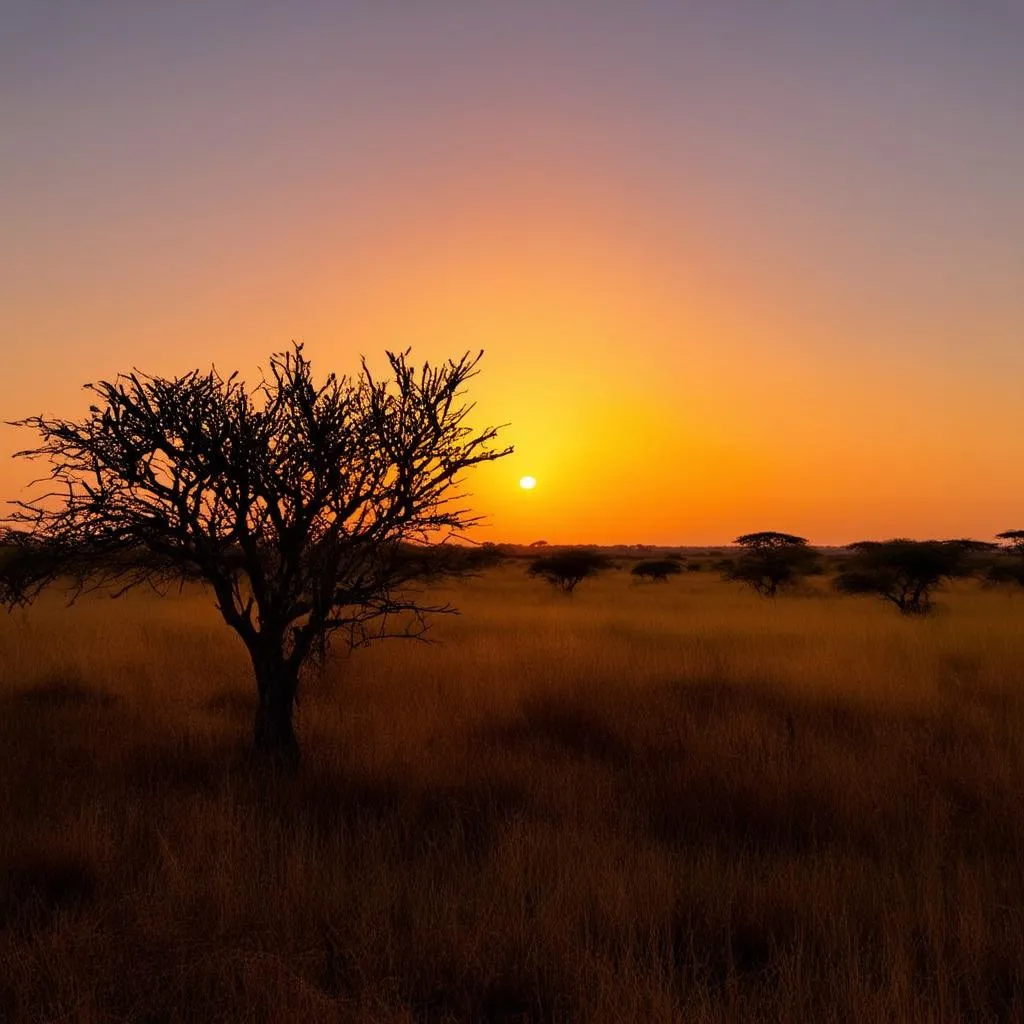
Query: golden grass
x=646 y=803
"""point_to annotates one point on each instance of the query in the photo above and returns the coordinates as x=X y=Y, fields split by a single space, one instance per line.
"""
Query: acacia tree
x=769 y=561
x=1014 y=541
x=305 y=506
x=657 y=570
x=1009 y=567
x=906 y=572
x=565 y=570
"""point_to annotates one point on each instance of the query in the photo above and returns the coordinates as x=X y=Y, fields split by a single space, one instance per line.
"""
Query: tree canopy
x=1014 y=541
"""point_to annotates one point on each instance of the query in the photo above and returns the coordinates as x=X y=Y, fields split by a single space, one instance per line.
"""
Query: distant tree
x=308 y=508
x=539 y=544
x=1014 y=541
x=769 y=561
x=906 y=572
x=976 y=554
x=657 y=570
x=1008 y=565
x=565 y=570
x=458 y=559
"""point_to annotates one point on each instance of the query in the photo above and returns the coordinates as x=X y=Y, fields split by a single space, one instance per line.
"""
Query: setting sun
x=527 y=483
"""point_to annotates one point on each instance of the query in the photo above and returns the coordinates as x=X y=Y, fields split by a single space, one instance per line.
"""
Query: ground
x=642 y=803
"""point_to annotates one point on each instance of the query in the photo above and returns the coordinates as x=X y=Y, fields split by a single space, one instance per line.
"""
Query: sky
x=735 y=265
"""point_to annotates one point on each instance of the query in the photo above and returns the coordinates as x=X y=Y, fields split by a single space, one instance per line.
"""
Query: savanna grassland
x=670 y=802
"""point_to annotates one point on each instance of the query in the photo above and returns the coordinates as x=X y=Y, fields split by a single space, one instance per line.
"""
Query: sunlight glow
x=527 y=483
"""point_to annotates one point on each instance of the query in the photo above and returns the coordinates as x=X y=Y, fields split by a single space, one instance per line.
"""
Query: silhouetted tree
x=769 y=561
x=567 y=569
x=306 y=507
x=490 y=554
x=1008 y=566
x=905 y=572
x=1014 y=541
x=976 y=554
x=657 y=570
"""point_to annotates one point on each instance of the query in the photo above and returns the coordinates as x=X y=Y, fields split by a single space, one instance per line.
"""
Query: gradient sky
x=736 y=264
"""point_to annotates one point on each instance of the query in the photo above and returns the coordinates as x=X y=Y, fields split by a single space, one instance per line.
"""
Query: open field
x=646 y=803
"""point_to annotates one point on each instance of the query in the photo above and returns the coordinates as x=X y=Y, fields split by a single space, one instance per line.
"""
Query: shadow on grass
x=713 y=948
x=722 y=765
x=561 y=726
x=712 y=811
x=59 y=691
x=505 y=1000
x=38 y=884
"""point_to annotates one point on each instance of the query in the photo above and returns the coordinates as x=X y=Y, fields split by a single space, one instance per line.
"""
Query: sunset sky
x=736 y=264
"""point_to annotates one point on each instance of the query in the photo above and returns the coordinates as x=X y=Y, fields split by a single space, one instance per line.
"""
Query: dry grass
x=660 y=803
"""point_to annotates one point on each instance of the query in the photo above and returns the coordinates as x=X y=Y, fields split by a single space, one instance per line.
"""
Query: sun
x=527 y=483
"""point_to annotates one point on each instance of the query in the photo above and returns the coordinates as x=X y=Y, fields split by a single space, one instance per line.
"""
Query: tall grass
x=644 y=803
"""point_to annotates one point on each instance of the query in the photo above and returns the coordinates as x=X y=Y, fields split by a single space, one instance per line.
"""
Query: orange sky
x=766 y=306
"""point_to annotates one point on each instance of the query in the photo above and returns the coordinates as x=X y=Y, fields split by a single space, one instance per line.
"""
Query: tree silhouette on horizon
x=566 y=570
x=769 y=561
x=657 y=570
x=906 y=572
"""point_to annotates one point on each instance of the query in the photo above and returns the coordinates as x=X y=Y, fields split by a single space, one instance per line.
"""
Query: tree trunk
x=273 y=732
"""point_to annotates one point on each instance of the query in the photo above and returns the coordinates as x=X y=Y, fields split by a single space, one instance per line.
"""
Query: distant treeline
x=904 y=572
